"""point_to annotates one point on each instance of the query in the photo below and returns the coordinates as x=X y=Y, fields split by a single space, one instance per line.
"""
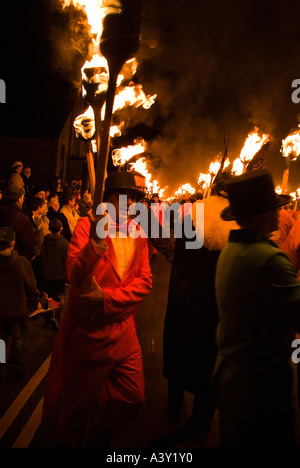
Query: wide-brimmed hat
x=12 y=193
x=122 y=181
x=251 y=194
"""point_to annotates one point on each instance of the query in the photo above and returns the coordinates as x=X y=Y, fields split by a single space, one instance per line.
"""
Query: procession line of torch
x=107 y=87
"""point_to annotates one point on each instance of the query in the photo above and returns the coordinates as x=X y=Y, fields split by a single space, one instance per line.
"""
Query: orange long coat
x=94 y=344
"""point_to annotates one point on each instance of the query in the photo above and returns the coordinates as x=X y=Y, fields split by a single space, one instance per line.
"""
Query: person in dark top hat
x=258 y=299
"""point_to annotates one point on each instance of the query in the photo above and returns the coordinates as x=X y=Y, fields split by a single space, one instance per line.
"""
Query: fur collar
x=216 y=231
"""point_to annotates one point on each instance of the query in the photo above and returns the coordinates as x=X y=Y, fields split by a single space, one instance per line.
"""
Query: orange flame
x=152 y=185
x=291 y=145
x=237 y=167
x=95 y=10
x=204 y=180
x=252 y=145
x=96 y=69
x=185 y=189
x=121 y=155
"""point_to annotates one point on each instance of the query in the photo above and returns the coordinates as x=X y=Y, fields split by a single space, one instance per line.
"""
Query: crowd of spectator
x=42 y=220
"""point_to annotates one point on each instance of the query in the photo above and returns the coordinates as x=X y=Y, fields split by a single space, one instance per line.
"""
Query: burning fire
x=152 y=185
x=237 y=167
x=252 y=145
x=133 y=96
x=254 y=142
x=291 y=145
x=204 y=180
x=95 y=71
x=95 y=10
x=185 y=189
x=85 y=125
x=121 y=155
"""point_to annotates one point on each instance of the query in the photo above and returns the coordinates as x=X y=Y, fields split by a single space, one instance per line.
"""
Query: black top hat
x=251 y=194
x=122 y=181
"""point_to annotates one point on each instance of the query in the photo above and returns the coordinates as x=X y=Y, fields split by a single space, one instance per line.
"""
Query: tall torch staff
x=286 y=174
x=119 y=42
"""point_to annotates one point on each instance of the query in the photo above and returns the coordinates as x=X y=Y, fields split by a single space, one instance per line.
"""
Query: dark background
x=218 y=67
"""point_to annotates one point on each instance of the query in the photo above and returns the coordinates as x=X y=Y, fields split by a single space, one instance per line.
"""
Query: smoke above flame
x=216 y=71
x=220 y=69
x=95 y=10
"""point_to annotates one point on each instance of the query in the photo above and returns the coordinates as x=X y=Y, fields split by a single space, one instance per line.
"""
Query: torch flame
x=96 y=71
x=237 y=167
x=95 y=10
x=252 y=145
x=204 y=180
x=152 y=185
x=184 y=190
x=121 y=155
x=133 y=96
x=291 y=145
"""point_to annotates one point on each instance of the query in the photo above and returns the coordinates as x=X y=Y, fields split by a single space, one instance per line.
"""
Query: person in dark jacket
x=54 y=253
x=53 y=212
x=258 y=298
x=11 y=215
x=189 y=339
x=18 y=296
x=30 y=185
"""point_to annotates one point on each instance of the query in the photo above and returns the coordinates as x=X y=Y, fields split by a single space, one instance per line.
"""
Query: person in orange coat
x=286 y=222
x=96 y=374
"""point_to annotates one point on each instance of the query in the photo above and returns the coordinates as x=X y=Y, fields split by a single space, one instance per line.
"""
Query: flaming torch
x=290 y=150
x=119 y=42
x=115 y=30
x=252 y=145
x=121 y=156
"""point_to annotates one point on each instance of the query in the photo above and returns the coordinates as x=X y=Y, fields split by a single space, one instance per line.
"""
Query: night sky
x=218 y=67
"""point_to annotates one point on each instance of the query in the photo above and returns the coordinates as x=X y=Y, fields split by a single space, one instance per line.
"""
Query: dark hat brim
x=139 y=193
x=228 y=215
